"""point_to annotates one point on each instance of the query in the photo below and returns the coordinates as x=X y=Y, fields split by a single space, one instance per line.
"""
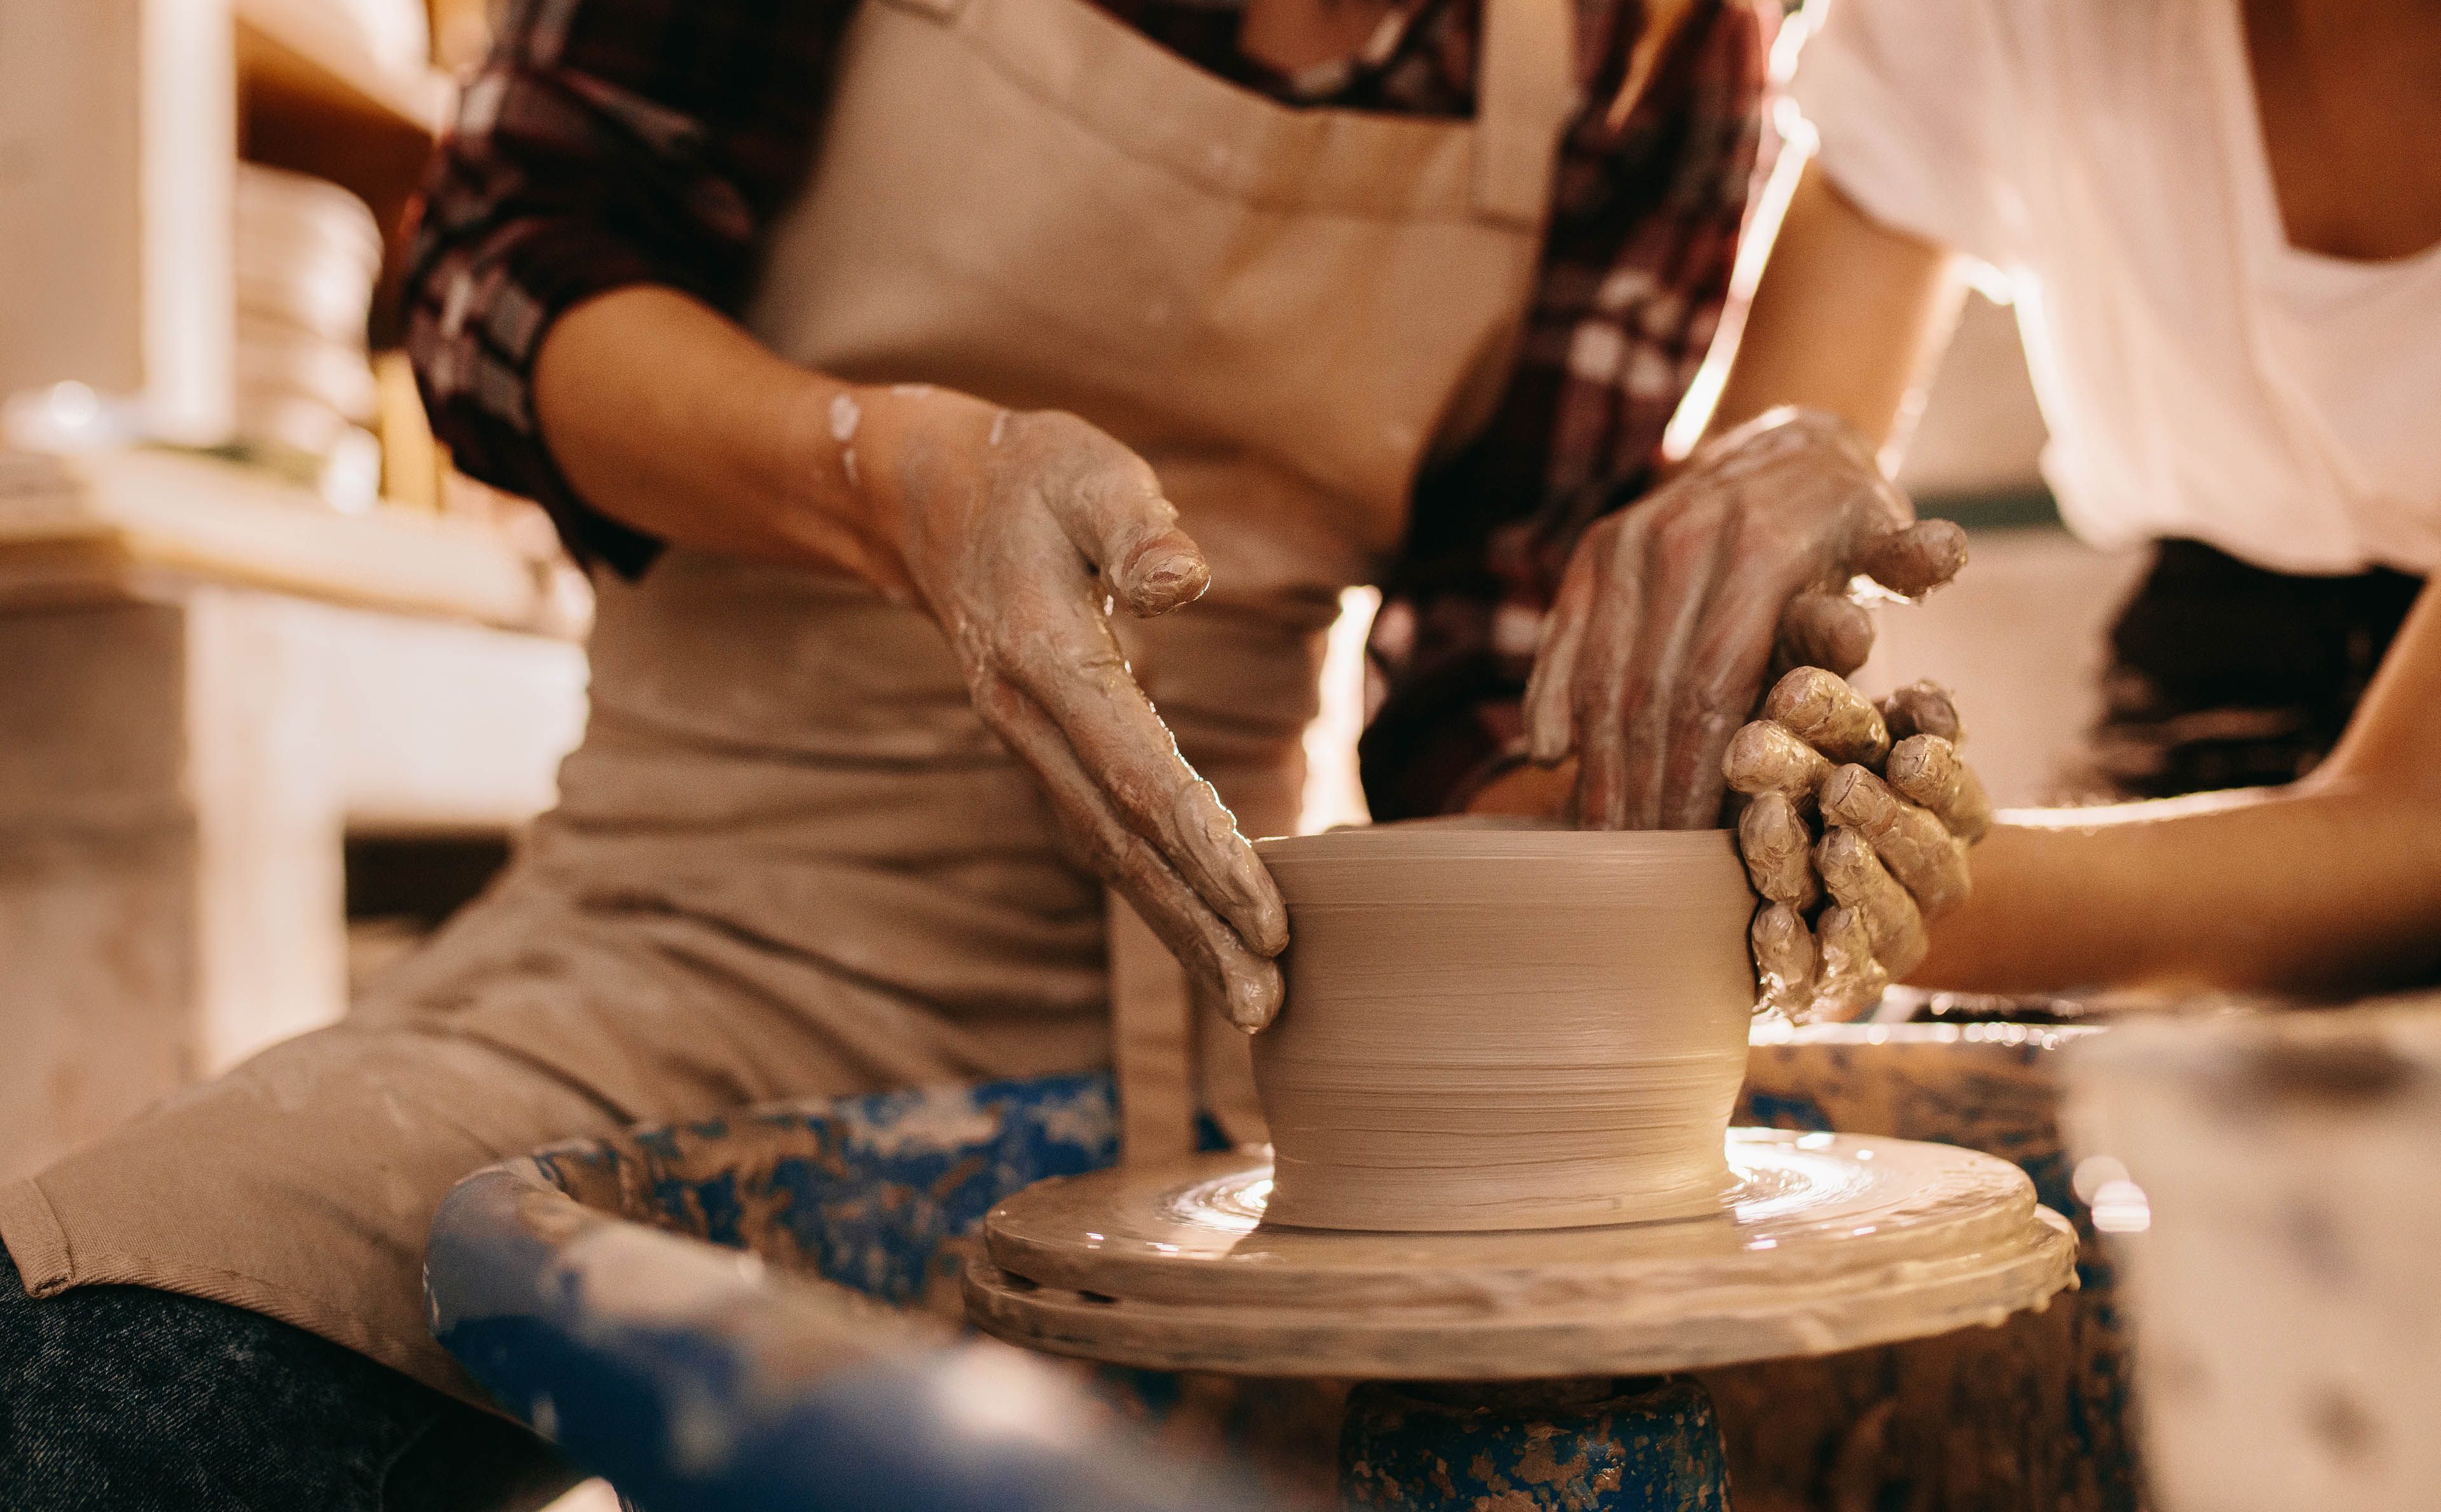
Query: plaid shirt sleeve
x=1644 y=235
x=605 y=143
x=609 y=143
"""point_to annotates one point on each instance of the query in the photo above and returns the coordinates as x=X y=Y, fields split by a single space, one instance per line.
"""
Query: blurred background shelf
x=315 y=96
x=304 y=55
x=138 y=524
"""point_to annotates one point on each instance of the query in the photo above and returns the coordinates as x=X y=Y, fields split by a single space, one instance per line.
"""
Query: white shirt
x=2200 y=376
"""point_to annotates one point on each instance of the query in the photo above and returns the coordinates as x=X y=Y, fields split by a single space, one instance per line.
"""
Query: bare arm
x=1848 y=317
x=1011 y=530
x=2330 y=884
x=667 y=417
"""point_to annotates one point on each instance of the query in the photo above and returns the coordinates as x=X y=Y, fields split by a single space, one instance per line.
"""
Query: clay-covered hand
x=1021 y=532
x=1856 y=831
x=1670 y=612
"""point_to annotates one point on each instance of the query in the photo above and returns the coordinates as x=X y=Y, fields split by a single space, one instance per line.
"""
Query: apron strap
x=1525 y=93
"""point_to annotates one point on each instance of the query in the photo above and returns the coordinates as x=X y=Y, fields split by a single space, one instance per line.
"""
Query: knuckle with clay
x=1922 y=708
x=1848 y=977
x=1764 y=756
x=1820 y=708
x=1853 y=874
x=1929 y=771
x=1825 y=630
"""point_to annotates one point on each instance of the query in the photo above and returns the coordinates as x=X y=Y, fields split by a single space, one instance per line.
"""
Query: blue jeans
x=134 y=1400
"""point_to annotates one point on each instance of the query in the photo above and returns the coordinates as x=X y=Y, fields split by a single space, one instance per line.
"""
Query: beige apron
x=788 y=860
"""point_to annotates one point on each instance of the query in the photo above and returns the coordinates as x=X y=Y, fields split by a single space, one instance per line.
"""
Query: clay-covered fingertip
x=1749 y=750
x=1916 y=560
x=1254 y=999
x=1270 y=923
x=1163 y=574
x=1944 y=541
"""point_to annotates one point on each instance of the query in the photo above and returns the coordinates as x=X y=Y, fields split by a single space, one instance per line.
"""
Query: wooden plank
x=122 y=522
x=312 y=100
x=305 y=49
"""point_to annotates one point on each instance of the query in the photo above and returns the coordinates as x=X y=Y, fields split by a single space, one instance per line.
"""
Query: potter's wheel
x=1825 y=1243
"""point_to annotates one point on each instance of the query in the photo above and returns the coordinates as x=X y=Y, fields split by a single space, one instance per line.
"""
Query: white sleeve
x=1910 y=100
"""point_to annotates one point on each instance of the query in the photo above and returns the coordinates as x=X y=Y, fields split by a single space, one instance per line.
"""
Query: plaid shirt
x=612 y=142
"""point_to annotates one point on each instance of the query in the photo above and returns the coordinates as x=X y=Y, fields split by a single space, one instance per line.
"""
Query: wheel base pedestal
x=1639 y=1444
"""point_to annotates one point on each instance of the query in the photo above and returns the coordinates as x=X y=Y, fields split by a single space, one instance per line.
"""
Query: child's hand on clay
x=1673 y=610
x=1858 y=819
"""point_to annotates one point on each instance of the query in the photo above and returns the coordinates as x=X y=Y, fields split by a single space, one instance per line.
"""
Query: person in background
x=2220 y=223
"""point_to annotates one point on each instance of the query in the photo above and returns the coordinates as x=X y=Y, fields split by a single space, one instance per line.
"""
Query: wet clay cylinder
x=1505 y=1026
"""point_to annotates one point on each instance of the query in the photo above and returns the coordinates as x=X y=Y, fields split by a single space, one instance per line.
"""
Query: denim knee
x=137 y=1399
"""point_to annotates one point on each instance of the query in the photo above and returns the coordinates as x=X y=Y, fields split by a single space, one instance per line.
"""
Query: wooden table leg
x=176 y=781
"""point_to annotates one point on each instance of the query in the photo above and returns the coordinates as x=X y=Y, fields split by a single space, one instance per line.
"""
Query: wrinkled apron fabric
x=788 y=860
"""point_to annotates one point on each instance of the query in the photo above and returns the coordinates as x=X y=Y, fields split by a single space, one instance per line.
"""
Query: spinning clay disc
x=1503 y=1026
x=1821 y=1243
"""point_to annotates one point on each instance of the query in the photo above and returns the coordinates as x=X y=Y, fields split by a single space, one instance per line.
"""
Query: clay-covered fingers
x=1929 y=772
x=1551 y=689
x=1922 y=708
x=1913 y=560
x=1855 y=876
x=1784 y=960
x=1672 y=613
x=1818 y=708
x=1779 y=851
x=1827 y=630
x=1682 y=698
x=1716 y=687
x=1759 y=614
x=1070 y=667
x=1847 y=977
x=1766 y=757
x=1245 y=981
x=1603 y=660
x=1020 y=531
x=1913 y=844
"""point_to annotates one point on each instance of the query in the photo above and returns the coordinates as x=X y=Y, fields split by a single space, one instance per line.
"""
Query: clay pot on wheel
x=1496 y=1025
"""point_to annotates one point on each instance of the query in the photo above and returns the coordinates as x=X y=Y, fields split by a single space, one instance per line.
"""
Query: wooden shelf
x=312 y=100
x=139 y=524
x=304 y=54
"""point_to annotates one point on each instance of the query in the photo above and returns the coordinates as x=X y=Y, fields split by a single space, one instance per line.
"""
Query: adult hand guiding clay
x=1673 y=612
x=1863 y=811
x=1021 y=532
